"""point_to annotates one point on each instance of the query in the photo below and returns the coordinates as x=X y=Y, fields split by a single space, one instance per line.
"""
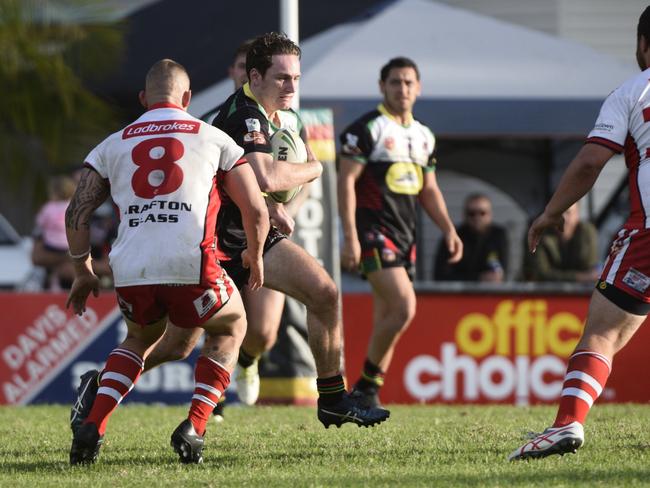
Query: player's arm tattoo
x=91 y=192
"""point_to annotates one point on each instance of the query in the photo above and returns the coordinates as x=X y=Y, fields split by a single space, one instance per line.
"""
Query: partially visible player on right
x=621 y=301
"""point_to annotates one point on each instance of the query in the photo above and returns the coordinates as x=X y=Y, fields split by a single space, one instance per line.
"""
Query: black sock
x=245 y=360
x=372 y=378
x=330 y=390
x=218 y=410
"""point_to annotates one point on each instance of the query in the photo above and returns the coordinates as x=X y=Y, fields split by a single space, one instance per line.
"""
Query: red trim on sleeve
x=617 y=148
x=240 y=161
x=646 y=113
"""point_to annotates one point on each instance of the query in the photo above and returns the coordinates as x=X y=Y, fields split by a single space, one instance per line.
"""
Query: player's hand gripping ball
x=287 y=146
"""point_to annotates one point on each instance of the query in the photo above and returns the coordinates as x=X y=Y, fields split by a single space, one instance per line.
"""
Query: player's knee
x=239 y=327
x=258 y=341
x=231 y=322
x=409 y=313
x=324 y=297
x=178 y=353
x=266 y=339
x=403 y=313
x=266 y=342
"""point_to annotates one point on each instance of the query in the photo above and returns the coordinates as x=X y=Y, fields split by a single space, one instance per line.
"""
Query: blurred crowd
x=567 y=255
x=52 y=265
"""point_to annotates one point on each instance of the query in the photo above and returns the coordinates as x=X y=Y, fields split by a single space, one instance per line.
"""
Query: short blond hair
x=167 y=77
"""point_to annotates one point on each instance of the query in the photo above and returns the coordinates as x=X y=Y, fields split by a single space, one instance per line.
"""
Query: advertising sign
x=488 y=349
x=45 y=348
x=460 y=349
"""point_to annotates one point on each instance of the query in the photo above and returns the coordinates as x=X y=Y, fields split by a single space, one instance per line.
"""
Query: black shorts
x=621 y=299
x=379 y=251
x=234 y=266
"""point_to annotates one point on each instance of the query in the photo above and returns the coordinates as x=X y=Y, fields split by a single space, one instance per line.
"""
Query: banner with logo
x=459 y=349
x=488 y=349
x=44 y=348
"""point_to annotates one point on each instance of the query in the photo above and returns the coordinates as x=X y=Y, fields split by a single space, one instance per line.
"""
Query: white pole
x=289 y=19
x=289 y=25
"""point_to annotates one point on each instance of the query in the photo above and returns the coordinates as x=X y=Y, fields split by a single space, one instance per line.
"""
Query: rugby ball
x=287 y=146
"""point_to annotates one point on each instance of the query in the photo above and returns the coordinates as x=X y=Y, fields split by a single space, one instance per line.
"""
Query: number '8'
x=158 y=173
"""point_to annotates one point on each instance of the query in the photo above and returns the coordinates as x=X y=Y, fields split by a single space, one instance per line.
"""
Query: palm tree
x=49 y=120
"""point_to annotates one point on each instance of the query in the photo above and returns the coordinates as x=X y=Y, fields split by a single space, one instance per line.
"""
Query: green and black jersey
x=246 y=121
x=208 y=117
x=395 y=158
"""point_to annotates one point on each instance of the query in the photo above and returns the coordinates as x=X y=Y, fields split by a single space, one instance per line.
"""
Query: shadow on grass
x=113 y=459
x=519 y=474
x=615 y=477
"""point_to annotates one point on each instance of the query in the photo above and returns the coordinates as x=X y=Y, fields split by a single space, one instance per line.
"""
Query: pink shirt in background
x=50 y=224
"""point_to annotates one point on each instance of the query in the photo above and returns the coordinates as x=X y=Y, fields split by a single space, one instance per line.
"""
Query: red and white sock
x=586 y=376
x=211 y=379
x=122 y=370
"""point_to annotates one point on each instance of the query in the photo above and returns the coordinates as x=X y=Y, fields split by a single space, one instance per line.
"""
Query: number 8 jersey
x=164 y=172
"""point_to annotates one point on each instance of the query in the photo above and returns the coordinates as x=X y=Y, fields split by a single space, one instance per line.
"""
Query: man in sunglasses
x=485 y=246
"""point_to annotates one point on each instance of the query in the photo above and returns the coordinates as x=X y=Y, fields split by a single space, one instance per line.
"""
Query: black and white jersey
x=395 y=158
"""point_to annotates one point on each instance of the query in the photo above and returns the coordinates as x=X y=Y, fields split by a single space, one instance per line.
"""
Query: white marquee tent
x=479 y=75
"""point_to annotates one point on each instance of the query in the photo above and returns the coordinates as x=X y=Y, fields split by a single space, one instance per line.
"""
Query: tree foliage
x=49 y=118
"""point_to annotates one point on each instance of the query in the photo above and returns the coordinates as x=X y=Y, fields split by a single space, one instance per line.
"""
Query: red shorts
x=628 y=264
x=186 y=306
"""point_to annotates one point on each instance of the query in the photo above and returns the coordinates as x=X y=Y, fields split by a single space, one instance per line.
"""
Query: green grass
x=286 y=446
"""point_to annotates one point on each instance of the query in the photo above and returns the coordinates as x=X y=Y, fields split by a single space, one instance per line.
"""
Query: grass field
x=286 y=446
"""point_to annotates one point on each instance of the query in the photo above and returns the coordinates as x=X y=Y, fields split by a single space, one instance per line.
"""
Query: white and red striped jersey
x=163 y=171
x=623 y=125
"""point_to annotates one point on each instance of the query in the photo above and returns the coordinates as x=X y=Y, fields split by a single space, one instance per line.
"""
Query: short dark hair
x=472 y=197
x=399 y=62
x=242 y=49
x=262 y=49
x=644 y=25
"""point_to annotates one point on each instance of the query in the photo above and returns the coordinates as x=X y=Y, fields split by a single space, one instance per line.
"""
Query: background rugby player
x=387 y=166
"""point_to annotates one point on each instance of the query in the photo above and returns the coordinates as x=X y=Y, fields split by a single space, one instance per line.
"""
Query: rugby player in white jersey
x=387 y=167
x=621 y=299
x=166 y=172
x=253 y=113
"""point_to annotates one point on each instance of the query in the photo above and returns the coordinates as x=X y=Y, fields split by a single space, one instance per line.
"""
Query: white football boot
x=248 y=383
x=554 y=440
